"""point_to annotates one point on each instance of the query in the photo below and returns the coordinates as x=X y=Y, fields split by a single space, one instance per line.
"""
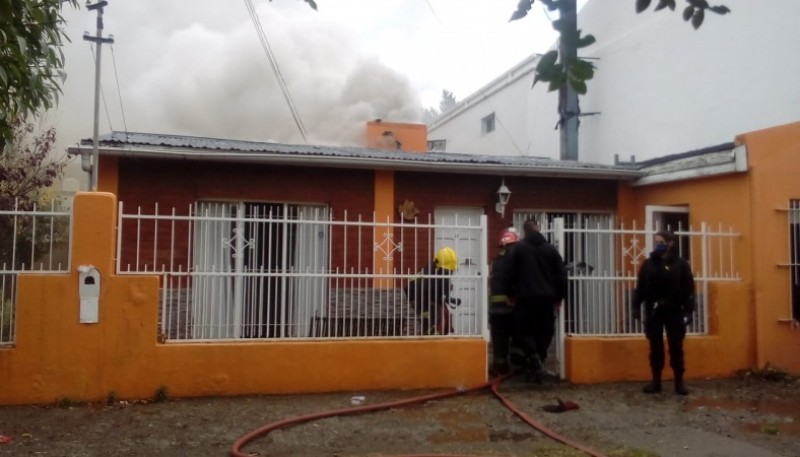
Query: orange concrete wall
x=774 y=159
x=726 y=349
x=749 y=320
x=413 y=137
x=731 y=344
x=57 y=357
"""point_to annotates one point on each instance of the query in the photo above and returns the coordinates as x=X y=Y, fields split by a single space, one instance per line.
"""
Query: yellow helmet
x=446 y=258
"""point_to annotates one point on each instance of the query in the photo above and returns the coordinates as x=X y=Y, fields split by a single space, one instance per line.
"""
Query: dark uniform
x=665 y=286
x=431 y=295
x=540 y=282
x=501 y=319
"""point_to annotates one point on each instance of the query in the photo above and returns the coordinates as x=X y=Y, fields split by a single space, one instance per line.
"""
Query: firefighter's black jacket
x=430 y=289
x=539 y=270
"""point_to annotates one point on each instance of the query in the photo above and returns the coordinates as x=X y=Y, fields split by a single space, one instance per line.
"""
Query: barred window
x=437 y=145
x=794 y=256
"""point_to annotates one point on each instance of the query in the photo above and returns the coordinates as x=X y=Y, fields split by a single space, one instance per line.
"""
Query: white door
x=459 y=228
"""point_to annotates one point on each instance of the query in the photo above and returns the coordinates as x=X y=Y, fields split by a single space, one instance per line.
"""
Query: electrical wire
x=275 y=68
x=119 y=92
x=102 y=92
x=493 y=385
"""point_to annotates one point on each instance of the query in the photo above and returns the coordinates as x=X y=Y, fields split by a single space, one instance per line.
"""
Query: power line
x=119 y=92
x=275 y=69
x=102 y=94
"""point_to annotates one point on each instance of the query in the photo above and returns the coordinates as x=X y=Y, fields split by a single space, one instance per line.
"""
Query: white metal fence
x=603 y=262
x=32 y=239
x=232 y=270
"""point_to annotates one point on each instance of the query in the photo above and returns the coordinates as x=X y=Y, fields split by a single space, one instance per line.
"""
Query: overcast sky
x=197 y=67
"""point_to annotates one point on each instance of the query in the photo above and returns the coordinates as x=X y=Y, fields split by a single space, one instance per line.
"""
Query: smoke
x=202 y=71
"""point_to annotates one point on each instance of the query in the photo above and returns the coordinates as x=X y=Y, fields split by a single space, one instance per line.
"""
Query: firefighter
x=501 y=321
x=665 y=285
x=540 y=284
x=430 y=293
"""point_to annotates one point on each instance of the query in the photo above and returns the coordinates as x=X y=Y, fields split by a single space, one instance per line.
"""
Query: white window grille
x=273 y=270
x=603 y=260
x=794 y=258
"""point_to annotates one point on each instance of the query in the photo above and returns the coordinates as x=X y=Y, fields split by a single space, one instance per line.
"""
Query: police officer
x=665 y=286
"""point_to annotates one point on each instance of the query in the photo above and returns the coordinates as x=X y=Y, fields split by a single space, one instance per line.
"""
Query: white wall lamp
x=503 y=195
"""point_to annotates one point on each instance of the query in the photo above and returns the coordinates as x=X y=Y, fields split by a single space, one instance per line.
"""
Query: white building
x=660 y=88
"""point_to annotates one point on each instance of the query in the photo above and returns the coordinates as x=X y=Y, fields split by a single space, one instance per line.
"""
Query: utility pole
x=568 y=107
x=90 y=164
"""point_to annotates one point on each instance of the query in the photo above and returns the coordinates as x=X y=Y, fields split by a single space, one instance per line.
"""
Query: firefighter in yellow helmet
x=430 y=292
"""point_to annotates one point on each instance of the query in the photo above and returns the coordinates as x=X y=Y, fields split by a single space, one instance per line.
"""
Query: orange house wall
x=55 y=356
x=749 y=319
x=774 y=159
x=731 y=343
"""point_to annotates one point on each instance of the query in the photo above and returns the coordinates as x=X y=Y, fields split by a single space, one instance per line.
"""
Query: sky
x=197 y=67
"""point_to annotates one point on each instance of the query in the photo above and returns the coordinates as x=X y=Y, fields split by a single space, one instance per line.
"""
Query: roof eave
x=396 y=164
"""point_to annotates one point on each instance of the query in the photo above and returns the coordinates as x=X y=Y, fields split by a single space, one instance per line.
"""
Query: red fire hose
x=493 y=385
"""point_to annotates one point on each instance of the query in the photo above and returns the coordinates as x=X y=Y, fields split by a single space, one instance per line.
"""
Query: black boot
x=680 y=387
x=653 y=386
x=536 y=373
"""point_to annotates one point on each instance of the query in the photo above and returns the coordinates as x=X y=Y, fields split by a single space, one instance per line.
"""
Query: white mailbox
x=89 y=292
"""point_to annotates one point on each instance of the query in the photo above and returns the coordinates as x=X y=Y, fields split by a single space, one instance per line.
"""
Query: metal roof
x=160 y=146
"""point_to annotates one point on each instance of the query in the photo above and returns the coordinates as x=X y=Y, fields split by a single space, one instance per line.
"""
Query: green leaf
x=722 y=9
x=702 y=4
x=556 y=84
x=665 y=4
x=688 y=12
x=581 y=69
x=23 y=45
x=697 y=18
x=579 y=86
x=3 y=76
x=642 y=5
x=547 y=62
x=588 y=40
x=522 y=10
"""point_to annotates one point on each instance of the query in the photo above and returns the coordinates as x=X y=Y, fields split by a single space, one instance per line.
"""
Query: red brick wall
x=181 y=183
x=431 y=190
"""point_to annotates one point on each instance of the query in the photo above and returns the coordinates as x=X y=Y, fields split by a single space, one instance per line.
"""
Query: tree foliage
x=448 y=101
x=577 y=71
x=27 y=173
x=26 y=169
x=31 y=60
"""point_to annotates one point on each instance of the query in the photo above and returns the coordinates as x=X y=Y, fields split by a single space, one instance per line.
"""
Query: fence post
x=706 y=252
x=560 y=242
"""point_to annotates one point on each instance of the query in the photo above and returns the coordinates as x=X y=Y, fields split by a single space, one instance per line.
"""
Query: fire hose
x=493 y=385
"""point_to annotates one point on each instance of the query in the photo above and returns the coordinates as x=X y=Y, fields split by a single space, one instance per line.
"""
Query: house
x=225 y=267
x=660 y=87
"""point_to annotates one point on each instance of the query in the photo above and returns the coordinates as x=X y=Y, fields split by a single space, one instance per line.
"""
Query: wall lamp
x=503 y=195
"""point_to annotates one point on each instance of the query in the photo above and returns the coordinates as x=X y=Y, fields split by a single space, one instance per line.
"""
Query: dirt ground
x=744 y=416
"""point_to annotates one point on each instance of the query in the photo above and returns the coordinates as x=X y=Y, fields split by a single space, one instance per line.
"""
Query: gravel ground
x=746 y=416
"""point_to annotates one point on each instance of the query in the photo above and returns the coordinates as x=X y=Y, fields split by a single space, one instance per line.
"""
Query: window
x=437 y=145
x=794 y=256
x=487 y=124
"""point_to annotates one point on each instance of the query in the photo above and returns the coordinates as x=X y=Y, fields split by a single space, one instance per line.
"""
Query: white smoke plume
x=198 y=68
